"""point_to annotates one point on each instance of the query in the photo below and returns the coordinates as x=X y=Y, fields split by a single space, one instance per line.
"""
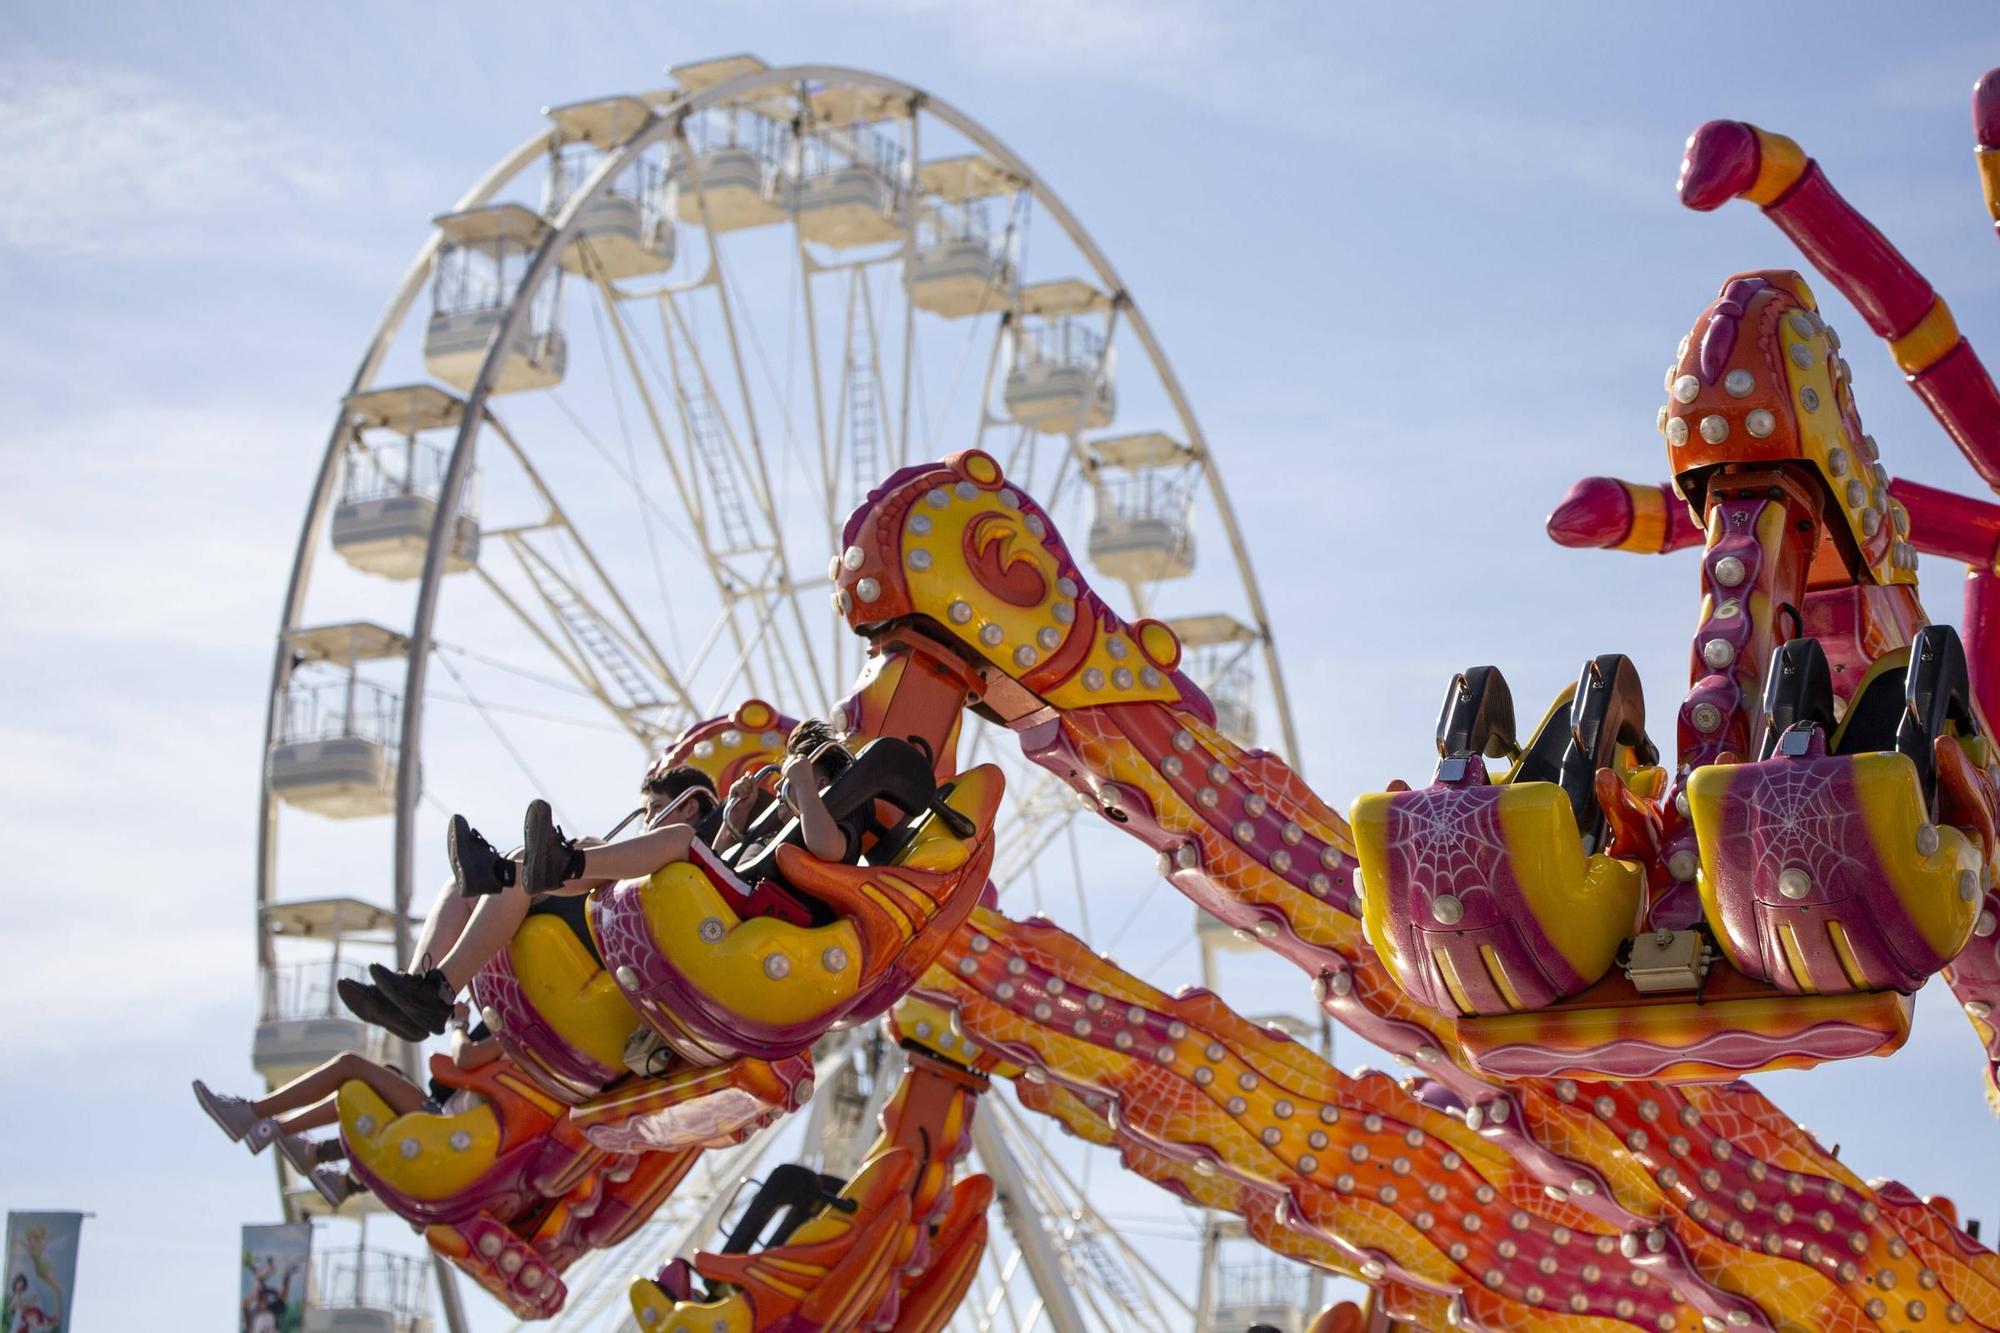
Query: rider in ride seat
x=283 y=1115
x=414 y=1004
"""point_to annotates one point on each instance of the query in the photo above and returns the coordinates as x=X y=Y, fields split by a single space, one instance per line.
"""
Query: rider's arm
x=823 y=838
x=469 y=1054
x=736 y=812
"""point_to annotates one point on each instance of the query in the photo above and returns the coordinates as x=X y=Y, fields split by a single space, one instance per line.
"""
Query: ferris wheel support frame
x=1010 y=1192
x=666 y=120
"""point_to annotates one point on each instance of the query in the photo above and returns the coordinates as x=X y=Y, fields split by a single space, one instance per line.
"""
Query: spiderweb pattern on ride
x=1804 y=817
x=1446 y=838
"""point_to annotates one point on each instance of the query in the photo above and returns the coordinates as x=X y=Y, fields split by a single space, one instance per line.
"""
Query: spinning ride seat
x=568 y=1151
x=553 y=1007
x=829 y=1269
x=759 y=959
x=519 y=1260
x=430 y=1166
x=566 y=1022
x=1489 y=896
x=1851 y=857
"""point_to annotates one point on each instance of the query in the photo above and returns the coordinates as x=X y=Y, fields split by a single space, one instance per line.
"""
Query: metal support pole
x=448 y=1301
x=1010 y=1192
x=1204 y=1301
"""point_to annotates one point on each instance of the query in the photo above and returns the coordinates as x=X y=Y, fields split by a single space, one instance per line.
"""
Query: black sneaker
x=370 y=1005
x=477 y=866
x=548 y=859
x=425 y=998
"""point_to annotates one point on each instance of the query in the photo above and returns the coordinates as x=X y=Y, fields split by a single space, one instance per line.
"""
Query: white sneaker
x=333 y=1183
x=300 y=1151
x=231 y=1114
x=261 y=1135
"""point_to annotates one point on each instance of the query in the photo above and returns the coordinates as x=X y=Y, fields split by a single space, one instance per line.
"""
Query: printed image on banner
x=275 y=1260
x=41 y=1271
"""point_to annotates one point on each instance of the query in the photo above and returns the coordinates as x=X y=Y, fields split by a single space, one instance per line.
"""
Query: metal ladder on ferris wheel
x=709 y=442
x=864 y=427
x=613 y=661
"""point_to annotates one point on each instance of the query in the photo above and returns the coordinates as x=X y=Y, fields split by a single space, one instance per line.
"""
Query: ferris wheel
x=582 y=492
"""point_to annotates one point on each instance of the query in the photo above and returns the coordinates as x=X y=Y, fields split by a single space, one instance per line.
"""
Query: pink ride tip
x=1721 y=163
x=1597 y=512
x=1986 y=109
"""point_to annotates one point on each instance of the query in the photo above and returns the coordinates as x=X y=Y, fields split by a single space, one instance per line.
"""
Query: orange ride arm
x=1707 y=1190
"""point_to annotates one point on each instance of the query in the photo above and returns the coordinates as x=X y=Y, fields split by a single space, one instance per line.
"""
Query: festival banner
x=275 y=1271
x=41 y=1271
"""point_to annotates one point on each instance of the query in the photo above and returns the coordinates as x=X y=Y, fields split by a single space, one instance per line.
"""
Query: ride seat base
x=1733 y=1026
x=487 y=1251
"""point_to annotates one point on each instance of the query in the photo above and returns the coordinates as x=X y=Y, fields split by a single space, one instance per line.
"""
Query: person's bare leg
x=551 y=862
x=491 y=925
x=633 y=857
x=324 y=1112
x=401 y=1094
x=442 y=927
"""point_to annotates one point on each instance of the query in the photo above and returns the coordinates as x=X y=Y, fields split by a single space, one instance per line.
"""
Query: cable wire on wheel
x=520 y=760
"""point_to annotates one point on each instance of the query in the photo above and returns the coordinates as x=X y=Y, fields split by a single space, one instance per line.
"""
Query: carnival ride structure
x=1580 y=954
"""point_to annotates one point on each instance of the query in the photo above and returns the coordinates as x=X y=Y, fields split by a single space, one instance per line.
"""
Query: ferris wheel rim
x=393 y=313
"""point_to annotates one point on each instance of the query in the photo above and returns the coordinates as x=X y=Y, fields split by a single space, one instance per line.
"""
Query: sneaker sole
x=209 y=1107
x=418 y=1022
x=538 y=831
x=326 y=1192
x=374 y=1008
x=285 y=1150
x=458 y=828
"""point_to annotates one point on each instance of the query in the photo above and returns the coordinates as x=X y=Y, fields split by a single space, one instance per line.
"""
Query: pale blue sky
x=1418 y=267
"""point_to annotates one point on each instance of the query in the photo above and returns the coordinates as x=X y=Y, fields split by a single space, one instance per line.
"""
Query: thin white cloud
x=163 y=526
x=1050 y=36
x=103 y=162
x=1237 y=60
x=139 y=566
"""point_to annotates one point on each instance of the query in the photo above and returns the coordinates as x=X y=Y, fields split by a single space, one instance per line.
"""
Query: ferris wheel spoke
x=609 y=659
x=868 y=424
x=609 y=306
x=764 y=631
x=610 y=653
x=1090 y=1229
x=815 y=684
x=1002 y=337
x=911 y=195
x=1031 y=831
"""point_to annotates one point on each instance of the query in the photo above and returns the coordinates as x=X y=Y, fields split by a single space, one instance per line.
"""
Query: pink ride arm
x=1959 y=527
x=1727 y=159
x=950 y=555
x=1616 y=515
